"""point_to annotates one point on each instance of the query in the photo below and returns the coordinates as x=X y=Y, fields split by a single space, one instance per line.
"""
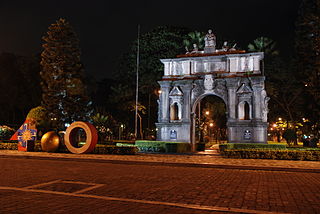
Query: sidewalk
x=209 y=159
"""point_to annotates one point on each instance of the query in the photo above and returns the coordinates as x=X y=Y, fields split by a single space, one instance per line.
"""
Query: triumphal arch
x=233 y=75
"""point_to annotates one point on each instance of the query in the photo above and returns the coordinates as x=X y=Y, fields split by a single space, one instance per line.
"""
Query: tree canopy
x=64 y=91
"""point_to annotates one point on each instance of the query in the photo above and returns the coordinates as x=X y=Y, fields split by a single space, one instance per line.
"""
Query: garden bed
x=99 y=149
x=310 y=155
x=159 y=146
x=268 y=151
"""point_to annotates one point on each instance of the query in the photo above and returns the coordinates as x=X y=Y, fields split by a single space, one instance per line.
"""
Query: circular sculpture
x=91 y=141
x=50 y=142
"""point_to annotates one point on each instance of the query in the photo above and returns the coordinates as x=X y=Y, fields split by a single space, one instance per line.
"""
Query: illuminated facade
x=234 y=76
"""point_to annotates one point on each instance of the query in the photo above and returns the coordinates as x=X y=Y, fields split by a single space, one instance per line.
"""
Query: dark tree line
x=19 y=86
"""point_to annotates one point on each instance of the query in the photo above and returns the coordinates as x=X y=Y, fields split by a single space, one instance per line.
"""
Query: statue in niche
x=209 y=42
x=208 y=82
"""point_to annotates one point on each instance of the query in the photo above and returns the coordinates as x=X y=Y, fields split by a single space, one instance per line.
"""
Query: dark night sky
x=106 y=29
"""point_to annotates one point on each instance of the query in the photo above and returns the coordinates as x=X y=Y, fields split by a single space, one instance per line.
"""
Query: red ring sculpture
x=91 y=141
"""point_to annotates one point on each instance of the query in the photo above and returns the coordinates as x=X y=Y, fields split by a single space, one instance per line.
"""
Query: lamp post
x=120 y=131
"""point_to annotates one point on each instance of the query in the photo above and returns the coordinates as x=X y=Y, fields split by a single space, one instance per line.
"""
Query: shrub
x=8 y=146
x=290 y=135
x=6 y=132
x=99 y=149
x=119 y=150
x=151 y=146
x=240 y=146
x=162 y=146
x=272 y=154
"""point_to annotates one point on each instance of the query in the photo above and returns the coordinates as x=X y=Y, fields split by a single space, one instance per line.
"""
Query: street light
x=120 y=130
x=207 y=112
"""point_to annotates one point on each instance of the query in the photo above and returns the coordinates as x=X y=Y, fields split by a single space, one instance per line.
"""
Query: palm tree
x=263 y=44
x=194 y=38
x=141 y=110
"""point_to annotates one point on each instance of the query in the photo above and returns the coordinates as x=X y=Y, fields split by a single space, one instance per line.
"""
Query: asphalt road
x=68 y=186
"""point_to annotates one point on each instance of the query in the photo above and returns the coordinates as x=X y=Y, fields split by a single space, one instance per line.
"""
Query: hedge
x=162 y=146
x=119 y=150
x=240 y=146
x=99 y=149
x=311 y=155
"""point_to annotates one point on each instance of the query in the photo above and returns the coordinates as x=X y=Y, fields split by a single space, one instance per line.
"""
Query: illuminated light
x=269 y=134
x=207 y=112
x=271 y=129
x=279 y=118
x=122 y=126
x=306 y=84
x=159 y=91
x=67 y=124
x=211 y=124
x=274 y=125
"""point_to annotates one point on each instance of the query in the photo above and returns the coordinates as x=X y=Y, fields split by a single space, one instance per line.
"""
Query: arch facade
x=236 y=78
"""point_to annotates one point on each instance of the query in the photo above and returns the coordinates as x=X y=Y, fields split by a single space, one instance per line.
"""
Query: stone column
x=186 y=87
x=164 y=104
x=257 y=87
x=232 y=104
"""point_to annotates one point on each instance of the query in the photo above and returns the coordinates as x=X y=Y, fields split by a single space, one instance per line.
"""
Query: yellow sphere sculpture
x=50 y=142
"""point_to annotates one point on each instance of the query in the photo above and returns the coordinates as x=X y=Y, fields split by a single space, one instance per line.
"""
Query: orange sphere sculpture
x=50 y=142
x=70 y=135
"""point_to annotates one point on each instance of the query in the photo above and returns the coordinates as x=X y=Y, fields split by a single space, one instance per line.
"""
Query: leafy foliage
x=6 y=132
x=194 y=38
x=289 y=135
x=20 y=86
x=64 y=91
x=263 y=44
x=307 y=46
x=161 y=42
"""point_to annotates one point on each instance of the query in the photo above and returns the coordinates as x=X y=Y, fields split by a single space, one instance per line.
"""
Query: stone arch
x=200 y=97
x=187 y=80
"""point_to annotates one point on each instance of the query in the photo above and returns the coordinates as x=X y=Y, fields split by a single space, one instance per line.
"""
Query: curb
x=150 y=163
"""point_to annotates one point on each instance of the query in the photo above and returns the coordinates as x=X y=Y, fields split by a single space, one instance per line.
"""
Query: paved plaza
x=37 y=182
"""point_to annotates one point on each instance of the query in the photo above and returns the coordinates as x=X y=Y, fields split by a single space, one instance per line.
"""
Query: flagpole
x=137 y=87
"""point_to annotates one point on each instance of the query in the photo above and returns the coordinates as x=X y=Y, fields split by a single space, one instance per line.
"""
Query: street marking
x=106 y=198
x=43 y=184
x=88 y=189
x=92 y=185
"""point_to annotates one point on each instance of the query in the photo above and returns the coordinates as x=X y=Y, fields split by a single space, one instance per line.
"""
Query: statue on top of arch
x=209 y=42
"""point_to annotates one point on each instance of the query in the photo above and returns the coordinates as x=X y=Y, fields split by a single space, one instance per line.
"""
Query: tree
x=263 y=44
x=284 y=89
x=194 y=38
x=141 y=110
x=307 y=50
x=64 y=91
x=161 y=42
x=20 y=86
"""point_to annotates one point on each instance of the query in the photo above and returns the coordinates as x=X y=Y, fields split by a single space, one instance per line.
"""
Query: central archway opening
x=210 y=122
